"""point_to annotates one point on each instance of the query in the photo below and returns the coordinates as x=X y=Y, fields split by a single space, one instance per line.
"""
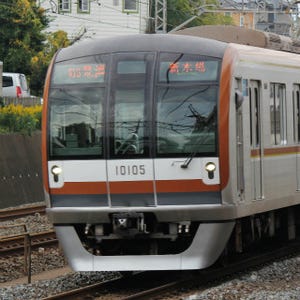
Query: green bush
x=17 y=118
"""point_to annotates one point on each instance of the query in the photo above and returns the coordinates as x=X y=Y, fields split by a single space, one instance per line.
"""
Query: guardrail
x=26 y=101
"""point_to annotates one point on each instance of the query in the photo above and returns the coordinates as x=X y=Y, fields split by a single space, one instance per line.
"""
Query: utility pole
x=160 y=16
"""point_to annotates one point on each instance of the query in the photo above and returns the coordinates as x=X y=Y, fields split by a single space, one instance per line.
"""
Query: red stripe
x=134 y=187
x=225 y=86
x=175 y=186
x=44 y=125
x=131 y=187
x=276 y=151
x=81 y=188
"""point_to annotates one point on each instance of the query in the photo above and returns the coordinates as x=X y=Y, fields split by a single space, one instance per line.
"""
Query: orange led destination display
x=187 y=67
x=79 y=73
x=87 y=71
x=206 y=70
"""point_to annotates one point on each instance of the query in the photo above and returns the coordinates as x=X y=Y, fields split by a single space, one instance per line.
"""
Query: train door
x=296 y=105
x=256 y=142
x=129 y=167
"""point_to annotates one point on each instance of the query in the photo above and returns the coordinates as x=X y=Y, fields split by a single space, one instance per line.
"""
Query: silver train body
x=161 y=151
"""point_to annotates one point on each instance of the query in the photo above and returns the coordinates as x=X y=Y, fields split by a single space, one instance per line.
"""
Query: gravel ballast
x=278 y=280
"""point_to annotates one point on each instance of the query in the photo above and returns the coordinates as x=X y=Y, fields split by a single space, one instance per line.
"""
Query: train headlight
x=210 y=168
x=55 y=170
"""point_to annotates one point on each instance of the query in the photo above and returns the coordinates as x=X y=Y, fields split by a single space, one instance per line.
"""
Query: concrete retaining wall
x=20 y=169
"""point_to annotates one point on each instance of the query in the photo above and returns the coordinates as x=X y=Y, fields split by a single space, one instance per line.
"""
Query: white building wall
x=105 y=18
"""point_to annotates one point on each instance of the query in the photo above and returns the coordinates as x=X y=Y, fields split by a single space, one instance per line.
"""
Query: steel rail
x=14 y=244
x=7 y=214
x=186 y=279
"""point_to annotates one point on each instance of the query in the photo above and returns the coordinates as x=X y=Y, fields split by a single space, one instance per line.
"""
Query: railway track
x=8 y=214
x=156 y=285
x=12 y=245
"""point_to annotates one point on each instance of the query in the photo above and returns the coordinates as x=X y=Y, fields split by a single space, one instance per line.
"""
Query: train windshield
x=187 y=93
x=76 y=108
x=132 y=105
x=130 y=102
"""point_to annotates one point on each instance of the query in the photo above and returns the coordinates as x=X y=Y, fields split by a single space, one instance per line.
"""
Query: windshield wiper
x=188 y=160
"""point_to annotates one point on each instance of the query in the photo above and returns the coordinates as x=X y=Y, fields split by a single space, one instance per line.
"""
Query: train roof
x=244 y=36
x=212 y=40
x=144 y=43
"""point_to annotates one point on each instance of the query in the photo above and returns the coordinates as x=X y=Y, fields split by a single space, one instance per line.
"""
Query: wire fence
x=26 y=101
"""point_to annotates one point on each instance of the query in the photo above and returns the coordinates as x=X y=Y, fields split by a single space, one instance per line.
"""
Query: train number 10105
x=130 y=170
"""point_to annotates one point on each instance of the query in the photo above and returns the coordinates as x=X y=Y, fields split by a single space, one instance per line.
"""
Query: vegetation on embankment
x=17 y=118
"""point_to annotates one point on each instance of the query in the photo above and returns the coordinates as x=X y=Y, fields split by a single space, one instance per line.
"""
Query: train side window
x=296 y=112
x=254 y=108
x=278 y=112
x=257 y=117
x=250 y=111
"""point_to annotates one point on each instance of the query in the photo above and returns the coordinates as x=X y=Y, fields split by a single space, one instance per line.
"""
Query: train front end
x=134 y=162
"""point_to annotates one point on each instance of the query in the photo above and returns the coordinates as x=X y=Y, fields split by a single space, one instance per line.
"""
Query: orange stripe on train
x=134 y=187
x=81 y=188
x=276 y=151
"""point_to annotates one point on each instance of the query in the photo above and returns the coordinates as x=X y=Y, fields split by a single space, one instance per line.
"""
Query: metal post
x=160 y=16
x=29 y=257
x=27 y=253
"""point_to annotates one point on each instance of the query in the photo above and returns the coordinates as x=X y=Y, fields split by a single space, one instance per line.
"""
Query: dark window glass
x=186 y=120
x=129 y=103
x=76 y=121
x=130 y=5
x=187 y=94
x=7 y=81
x=278 y=113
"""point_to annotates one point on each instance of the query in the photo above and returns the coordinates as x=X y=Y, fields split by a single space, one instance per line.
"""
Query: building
x=266 y=15
x=96 y=18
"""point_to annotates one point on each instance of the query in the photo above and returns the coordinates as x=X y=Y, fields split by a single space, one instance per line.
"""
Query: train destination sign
x=79 y=73
x=200 y=70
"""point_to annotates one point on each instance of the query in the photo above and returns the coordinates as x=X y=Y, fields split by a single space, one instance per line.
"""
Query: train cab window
x=76 y=100
x=76 y=121
x=278 y=114
x=129 y=122
x=187 y=105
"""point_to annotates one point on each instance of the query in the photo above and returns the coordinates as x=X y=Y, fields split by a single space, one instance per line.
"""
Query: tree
x=40 y=62
x=180 y=11
x=24 y=45
x=21 y=34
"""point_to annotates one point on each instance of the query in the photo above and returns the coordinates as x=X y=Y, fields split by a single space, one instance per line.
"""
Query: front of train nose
x=133 y=165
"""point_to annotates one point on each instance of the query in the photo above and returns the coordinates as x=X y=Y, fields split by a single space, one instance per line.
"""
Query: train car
x=161 y=152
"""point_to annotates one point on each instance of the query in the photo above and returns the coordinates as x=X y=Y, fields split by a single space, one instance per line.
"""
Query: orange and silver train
x=163 y=152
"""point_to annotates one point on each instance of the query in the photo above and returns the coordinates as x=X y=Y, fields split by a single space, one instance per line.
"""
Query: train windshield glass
x=76 y=121
x=172 y=101
x=76 y=103
x=131 y=83
x=187 y=105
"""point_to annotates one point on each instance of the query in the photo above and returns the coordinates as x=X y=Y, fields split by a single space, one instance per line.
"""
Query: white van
x=14 y=85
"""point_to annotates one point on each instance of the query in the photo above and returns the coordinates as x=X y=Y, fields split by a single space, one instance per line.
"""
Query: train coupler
x=125 y=221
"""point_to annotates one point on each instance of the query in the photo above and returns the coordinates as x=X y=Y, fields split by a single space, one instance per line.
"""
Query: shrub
x=17 y=118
